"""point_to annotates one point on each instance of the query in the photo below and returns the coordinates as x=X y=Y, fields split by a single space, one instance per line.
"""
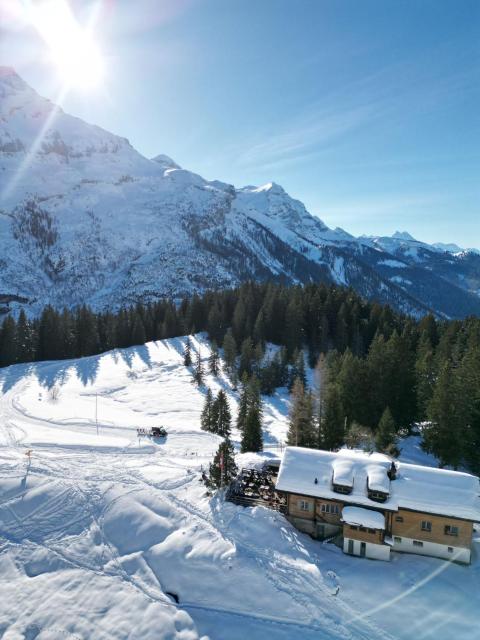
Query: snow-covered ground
x=99 y=527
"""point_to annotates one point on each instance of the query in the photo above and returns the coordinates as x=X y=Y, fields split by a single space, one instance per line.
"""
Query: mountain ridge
x=87 y=218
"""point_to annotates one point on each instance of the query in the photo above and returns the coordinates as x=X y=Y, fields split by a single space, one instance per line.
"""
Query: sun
x=71 y=48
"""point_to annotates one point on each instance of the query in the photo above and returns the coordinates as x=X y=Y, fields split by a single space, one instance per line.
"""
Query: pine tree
x=293 y=331
x=246 y=357
x=252 y=438
x=138 y=330
x=223 y=468
x=198 y=373
x=221 y=415
x=443 y=437
x=206 y=419
x=87 y=332
x=332 y=426
x=425 y=374
x=24 y=339
x=243 y=405
x=214 y=323
x=229 y=352
x=385 y=437
x=187 y=353
x=8 y=342
x=302 y=431
x=214 y=360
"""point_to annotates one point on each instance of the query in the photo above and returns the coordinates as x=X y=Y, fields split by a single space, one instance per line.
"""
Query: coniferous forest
x=377 y=372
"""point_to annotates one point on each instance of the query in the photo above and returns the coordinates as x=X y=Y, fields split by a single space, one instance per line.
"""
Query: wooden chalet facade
x=377 y=506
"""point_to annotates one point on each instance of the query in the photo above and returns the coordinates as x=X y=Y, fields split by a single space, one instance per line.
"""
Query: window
x=371 y=531
x=330 y=508
x=398 y=519
x=397 y=540
x=342 y=488
x=303 y=505
x=450 y=549
x=354 y=527
x=426 y=525
x=417 y=543
x=450 y=530
x=377 y=496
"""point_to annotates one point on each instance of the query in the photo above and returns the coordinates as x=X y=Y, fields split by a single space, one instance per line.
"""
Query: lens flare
x=71 y=48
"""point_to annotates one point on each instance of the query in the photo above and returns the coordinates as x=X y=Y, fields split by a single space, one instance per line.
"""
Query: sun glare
x=72 y=49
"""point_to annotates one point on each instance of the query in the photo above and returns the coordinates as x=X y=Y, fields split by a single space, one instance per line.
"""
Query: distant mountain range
x=86 y=218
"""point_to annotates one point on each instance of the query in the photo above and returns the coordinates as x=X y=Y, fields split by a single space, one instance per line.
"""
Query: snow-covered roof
x=343 y=472
x=378 y=479
x=426 y=489
x=363 y=517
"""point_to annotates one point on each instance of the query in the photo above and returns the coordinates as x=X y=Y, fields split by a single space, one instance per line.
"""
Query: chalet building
x=378 y=506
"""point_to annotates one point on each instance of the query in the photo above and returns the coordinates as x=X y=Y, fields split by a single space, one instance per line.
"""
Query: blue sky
x=366 y=110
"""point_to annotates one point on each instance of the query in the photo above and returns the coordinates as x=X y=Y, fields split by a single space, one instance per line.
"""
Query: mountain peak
x=9 y=78
x=403 y=235
x=273 y=187
x=166 y=161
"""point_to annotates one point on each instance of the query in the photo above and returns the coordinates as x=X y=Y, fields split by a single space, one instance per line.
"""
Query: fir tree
x=246 y=357
x=24 y=339
x=229 y=352
x=332 y=426
x=252 y=410
x=206 y=419
x=223 y=468
x=443 y=437
x=243 y=405
x=221 y=415
x=252 y=439
x=187 y=353
x=8 y=342
x=302 y=430
x=297 y=370
x=87 y=332
x=198 y=370
x=385 y=437
x=138 y=330
x=214 y=360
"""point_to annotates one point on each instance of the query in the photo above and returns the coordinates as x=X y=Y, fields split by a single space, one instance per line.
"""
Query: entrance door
x=350 y=547
x=363 y=548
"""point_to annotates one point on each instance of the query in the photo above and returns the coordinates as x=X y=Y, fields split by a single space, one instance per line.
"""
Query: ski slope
x=99 y=527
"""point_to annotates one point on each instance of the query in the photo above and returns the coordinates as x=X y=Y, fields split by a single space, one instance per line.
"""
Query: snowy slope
x=85 y=218
x=100 y=527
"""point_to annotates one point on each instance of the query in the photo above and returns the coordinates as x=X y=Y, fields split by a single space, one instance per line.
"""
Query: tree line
x=380 y=371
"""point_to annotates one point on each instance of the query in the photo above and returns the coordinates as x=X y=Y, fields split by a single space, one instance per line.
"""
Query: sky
x=367 y=111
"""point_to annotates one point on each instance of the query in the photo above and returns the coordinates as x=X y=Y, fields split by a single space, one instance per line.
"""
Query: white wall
x=459 y=554
x=373 y=551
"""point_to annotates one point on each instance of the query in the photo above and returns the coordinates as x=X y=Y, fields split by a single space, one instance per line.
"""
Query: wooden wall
x=376 y=537
x=411 y=527
x=295 y=511
x=331 y=518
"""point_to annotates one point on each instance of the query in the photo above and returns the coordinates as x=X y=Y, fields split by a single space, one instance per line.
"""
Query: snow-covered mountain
x=85 y=218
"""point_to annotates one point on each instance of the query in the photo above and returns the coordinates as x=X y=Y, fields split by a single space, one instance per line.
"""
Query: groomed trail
x=97 y=527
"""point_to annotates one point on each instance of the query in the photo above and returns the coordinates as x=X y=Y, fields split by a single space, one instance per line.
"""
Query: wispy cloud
x=386 y=98
x=394 y=205
x=306 y=135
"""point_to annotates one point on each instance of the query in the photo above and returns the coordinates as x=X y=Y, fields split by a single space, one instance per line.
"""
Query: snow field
x=97 y=529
